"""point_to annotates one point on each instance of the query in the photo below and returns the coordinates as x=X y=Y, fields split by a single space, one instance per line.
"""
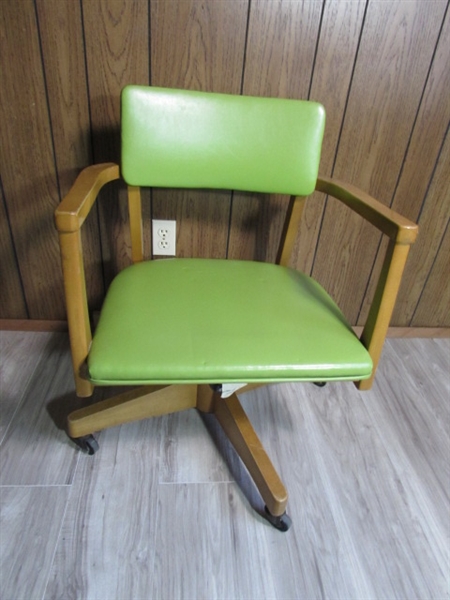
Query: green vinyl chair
x=227 y=323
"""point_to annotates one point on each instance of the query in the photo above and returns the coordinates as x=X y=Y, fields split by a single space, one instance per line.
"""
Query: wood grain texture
x=316 y=559
x=239 y=548
x=433 y=223
x=441 y=355
x=358 y=509
x=333 y=68
x=107 y=543
x=117 y=54
x=198 y=46
x=290 y=230
x=375 y=136
x=30 y=522
x=256 y=226
x=136 y=225
x=61 y=36
x=413 y=332
x=413 y=425
x=429 y=131
x=69 y=217
x=281 y=44
x=379 y=67
x=152 y=515
x=77 y=307
x=28 y=454
x=432 y=383
x=412 y=192
x=32 y=325
x=434 y=302
x=132 y=405
x=182 y=463
x=26 y=155
x=202 y=220
x=12 y=300
x=17 y=348
x=243 y=437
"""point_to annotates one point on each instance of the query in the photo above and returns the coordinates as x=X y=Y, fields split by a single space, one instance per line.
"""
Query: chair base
x=282 y=523
x=151 y=401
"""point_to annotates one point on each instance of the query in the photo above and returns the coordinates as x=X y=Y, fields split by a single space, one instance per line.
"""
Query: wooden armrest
x=402 y=233
x=398 y=228
x=69 y=217
x=75 y=207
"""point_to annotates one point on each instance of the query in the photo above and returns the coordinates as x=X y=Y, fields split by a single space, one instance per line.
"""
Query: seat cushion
x=219 y=321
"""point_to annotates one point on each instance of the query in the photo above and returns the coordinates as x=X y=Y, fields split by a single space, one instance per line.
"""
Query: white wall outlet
x=164 y=235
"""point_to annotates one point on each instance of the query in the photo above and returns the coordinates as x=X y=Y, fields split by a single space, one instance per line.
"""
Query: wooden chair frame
x=150 y=401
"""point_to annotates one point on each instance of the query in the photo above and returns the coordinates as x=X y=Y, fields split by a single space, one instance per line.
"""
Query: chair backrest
x=185 y=139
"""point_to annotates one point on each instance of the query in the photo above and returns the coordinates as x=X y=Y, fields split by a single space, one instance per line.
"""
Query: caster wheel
x=282 y=523
x=320 y=383
x=87 y=444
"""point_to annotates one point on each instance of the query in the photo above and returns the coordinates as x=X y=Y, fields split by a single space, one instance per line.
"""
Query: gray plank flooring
x=165 y=510
x=19 y=358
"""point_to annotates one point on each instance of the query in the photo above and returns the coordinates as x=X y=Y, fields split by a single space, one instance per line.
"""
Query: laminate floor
x=166 y=511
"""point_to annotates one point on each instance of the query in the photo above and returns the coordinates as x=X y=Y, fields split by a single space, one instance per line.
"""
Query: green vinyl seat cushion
x=221 y=321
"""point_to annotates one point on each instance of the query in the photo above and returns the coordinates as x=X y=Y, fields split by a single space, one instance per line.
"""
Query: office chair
x=185 y=333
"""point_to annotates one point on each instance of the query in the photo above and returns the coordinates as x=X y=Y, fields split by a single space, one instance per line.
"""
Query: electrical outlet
x=164 y=237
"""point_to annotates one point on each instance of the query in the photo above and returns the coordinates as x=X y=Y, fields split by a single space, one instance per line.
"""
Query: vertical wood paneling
x=379 y=67
x=117 y=53
x=336 y=53
x=202 y=220
x=27 y=161
x=396 y=49
x=61 y=36
x=281 y=46
x=12 y=301
x=412 y=192
x=197 y=45
x=434 y=304
x=433 y=223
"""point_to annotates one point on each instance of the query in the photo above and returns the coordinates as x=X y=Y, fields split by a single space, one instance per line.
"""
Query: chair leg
x=239 y=430
x=141 y=403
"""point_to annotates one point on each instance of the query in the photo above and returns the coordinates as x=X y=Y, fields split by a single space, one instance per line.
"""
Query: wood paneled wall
x=380 y=67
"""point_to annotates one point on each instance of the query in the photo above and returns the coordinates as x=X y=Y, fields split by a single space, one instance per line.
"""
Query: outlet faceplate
x=164 y=237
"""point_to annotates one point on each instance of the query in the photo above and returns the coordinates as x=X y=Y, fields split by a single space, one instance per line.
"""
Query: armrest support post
x=135 y=214
x=377 y=323
x=77 y=306
x=402 y=233
x=69 y=217
x=290 y=229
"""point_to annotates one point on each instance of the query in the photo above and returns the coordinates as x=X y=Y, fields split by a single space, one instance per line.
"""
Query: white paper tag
x=229 y=388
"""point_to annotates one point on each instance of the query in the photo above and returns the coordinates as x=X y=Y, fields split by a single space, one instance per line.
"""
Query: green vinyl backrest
x=185 y=139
